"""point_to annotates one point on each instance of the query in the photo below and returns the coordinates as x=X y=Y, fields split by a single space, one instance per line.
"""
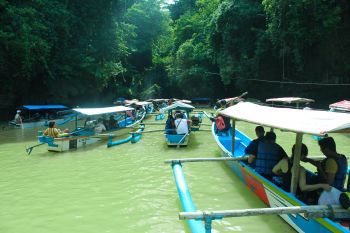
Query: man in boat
x=100 y=127
x=331 y=170
x=18 y=118
x=269 y=153
x=52 y=131
x=112 y=123
x=252 y=148
x=181 y=125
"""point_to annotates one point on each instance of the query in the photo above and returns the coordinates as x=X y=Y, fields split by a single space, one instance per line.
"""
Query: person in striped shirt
x=52 y=131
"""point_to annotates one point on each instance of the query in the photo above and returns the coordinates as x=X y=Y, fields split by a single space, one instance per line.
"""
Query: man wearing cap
x=18 y=118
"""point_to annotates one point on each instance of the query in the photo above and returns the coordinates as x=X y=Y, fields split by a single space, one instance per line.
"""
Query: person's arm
x=45 y=133
x=281 y=167
x=251 y=148
x=251 y=159
x=304 y=187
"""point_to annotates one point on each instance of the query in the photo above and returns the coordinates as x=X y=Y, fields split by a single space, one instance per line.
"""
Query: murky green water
x=126 y=188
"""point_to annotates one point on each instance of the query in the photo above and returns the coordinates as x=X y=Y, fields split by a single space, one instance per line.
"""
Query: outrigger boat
x=303 y=218
x=39 y=115
x=341 y=106
x=143 y=104
x=290 y=100
x=177 y=139
x=83 y=136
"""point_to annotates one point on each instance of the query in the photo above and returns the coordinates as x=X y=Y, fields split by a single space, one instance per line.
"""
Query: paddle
x=29 y=149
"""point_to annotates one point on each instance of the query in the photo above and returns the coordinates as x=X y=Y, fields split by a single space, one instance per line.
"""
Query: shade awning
x=343 y=105
x=143 y=103
x=290 y=100
x=98 y=111
x=178 y=106
x=43 y=107
x=295 y=120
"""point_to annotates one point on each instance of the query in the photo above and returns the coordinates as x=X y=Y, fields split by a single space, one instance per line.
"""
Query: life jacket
x=267 y=157
x=220 y=123
x=340 y=175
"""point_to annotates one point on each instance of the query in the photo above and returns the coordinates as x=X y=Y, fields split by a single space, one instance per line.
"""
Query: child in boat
x=52 y=131
x=307 y=193
x=333 y=168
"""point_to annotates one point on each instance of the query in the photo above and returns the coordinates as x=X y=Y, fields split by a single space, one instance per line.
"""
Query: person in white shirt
x=100 y=127
x=18 y=118
x=181 y=125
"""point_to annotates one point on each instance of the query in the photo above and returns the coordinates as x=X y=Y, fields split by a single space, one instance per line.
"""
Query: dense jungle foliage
x=90 y=52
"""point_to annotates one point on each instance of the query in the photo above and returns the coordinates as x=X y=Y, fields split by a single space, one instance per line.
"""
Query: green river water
x=126 y=188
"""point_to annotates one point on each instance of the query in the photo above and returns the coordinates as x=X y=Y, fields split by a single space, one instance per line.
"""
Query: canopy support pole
x=296 y=163
x=233 y=136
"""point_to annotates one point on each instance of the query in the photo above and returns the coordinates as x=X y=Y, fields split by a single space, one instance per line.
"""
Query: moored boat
x=290 y=100
x=32 y=116
x=172 y=138
x=341 y=106
x=86 y=135
x=297 y=121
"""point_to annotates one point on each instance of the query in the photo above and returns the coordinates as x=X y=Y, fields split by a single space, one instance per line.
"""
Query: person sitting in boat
x=170 y=125
x=333 y=169
x=18 y=118
x=112 y=123
x=52 y=131
x=181 y=125
x=269 y=153
x=252 y=148
x=100 y=127
x=307 y=193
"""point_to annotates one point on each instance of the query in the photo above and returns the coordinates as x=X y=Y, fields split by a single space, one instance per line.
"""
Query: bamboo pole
x=233 y=136
x=206 y=159
x=296 y=163
x=313 y=211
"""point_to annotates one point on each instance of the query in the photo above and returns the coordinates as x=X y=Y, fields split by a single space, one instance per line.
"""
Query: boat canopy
x=98 y=111
x=313 y=122
x=43 y=107
x=178 y=106
x=290 y=100
x=343 y=105
x=143 y=103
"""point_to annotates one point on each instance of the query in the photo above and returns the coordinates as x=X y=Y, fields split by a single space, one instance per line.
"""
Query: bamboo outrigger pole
x=206 y=159
x=314 y=211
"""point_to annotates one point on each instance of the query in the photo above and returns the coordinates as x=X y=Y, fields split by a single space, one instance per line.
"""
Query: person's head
x=270 y=136
x=18 y=111
x=178 y=116
x=327 y=145
x=304 y=152
x=52 y=124
x=259 y=131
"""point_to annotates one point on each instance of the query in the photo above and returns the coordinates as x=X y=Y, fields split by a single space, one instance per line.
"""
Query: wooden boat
x=39 y=115
x=341 y=106
x=290 y=100
x=143 y=104
x=172 y=138
x=297 y=121
x=86 y=136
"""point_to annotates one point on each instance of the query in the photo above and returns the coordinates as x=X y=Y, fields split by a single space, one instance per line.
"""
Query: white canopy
x=98 y=111
x=143 y=103
x=177 y=106
x=294 y=120
x=290 y=100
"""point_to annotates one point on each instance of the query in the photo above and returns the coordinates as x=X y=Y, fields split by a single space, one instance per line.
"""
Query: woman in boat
x=52 y=131
x=308 y=193
x=170 y=125
x=333 y=168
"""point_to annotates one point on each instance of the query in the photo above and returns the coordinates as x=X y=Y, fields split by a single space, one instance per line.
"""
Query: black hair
x=259 y=129
x=304 y=150
x=51 y=124
x=327 y=143
x=270 y=136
